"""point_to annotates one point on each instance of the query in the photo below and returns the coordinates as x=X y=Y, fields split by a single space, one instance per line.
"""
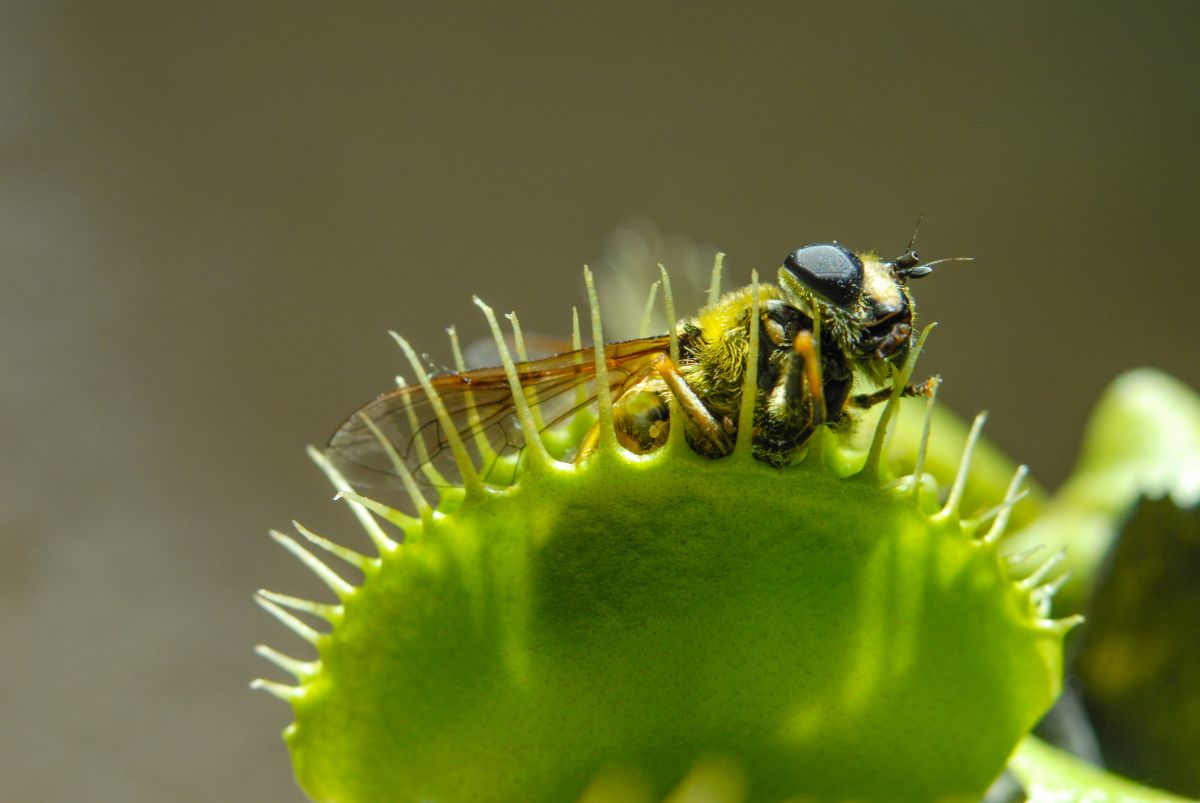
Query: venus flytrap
x=1142 y=441
x=827 y=629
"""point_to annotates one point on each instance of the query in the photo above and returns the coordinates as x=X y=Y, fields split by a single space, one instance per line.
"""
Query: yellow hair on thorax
x=720 y=351
x=717 y=319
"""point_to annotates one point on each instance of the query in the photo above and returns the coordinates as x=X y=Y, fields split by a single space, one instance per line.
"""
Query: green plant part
x=1129 y=517
x=1051 y=776
x=829 y=629
x=1142 y=441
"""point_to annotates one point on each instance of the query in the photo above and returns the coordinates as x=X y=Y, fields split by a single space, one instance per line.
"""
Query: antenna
x=909 y=261
x=916 y=229
x=908 y=265
x=927 y=268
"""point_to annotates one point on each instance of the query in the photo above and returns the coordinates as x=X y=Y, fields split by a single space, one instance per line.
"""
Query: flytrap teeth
x=904 y=485
x=539 y=457
x=1042 y=597
x=576 y=334
x=301 y=670
x=648 y=310
x=1012 y=496
x=487 y=455
x=995 y=511
x=1064 y=625
x=385 y=512
x=466 y=468
x=675 y=434
x=383 y=543
x=266 y=601
x=355 y=559
x=428 y=469
x=604 y=402
x=954 y=500
x=926 y=426
x=336 y=583
x=1042 y=572
x=714 y=284
x=420 y=503
x=745 y=431
x=281 y=691
x=873 y=468
x=1017 y=558
x=910 y=485
x=529 y=394
x=329 y=613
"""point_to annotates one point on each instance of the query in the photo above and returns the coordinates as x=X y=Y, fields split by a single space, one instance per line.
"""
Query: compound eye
x=828 y=269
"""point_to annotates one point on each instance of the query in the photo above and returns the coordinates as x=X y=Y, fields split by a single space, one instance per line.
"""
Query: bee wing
x=485 y=353
x=402 y=425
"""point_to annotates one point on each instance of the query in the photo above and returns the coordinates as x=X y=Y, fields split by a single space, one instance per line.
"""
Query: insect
x=837 y=321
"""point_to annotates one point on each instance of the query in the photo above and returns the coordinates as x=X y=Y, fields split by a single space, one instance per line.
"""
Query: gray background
x=211 y=214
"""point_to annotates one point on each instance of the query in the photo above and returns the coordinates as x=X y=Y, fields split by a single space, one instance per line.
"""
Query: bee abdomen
x=642 y=420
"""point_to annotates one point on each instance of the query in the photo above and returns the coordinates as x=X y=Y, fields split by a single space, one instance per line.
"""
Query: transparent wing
x=484 y=352
x=402 y=425
x=629 y=263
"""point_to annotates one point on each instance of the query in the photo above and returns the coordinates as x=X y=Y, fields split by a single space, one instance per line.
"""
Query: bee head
x=829 y=271
x=885 y=312
x=863 y=300
x=827 y=280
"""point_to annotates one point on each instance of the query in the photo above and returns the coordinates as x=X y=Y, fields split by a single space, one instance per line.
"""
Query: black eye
x=828 y=269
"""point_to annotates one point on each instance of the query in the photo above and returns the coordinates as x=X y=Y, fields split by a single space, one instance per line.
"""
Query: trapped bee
x=836 y=323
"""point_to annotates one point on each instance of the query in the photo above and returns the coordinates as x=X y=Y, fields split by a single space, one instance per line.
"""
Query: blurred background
x=210 y=215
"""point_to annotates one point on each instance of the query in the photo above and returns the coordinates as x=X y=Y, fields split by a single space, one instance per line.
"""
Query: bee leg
x=715 y=436
x=806 y=349
x=865 y=401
